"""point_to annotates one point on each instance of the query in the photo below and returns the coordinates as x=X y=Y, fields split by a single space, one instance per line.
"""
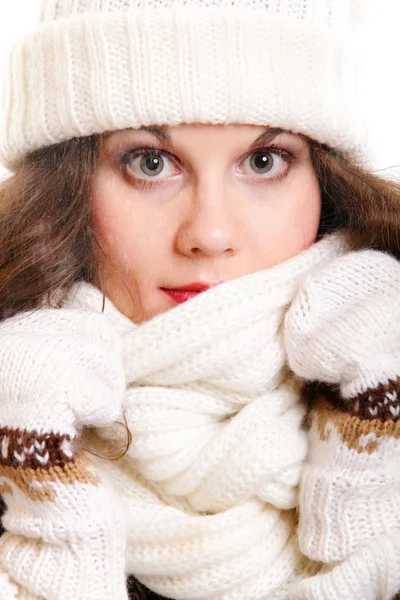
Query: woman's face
x=198 y=204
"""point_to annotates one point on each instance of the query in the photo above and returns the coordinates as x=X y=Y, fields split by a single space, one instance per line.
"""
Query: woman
x=187 y=238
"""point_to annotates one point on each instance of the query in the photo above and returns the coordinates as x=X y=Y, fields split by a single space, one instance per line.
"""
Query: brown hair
x=47 y=242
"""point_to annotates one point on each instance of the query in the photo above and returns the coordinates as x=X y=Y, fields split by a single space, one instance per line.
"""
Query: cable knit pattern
x=203 y=506
x=100 y=65
x=212 y=473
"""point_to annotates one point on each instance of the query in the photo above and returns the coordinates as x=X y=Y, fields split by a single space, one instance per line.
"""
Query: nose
x=210 y=227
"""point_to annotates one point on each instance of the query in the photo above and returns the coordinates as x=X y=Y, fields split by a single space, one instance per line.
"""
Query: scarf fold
x=209 y=483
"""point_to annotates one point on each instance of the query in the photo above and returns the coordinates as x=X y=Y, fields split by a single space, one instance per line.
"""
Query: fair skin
x=210 y=204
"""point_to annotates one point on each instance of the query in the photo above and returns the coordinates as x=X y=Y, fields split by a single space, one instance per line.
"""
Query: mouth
x=187 y=292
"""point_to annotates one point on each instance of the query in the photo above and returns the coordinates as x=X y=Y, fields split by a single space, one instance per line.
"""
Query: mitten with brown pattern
x=343 y=329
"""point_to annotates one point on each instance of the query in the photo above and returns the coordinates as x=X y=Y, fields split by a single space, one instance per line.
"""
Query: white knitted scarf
x=210 y=480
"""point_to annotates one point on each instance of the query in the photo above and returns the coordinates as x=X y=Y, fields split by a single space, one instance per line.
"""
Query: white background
x=19 y=16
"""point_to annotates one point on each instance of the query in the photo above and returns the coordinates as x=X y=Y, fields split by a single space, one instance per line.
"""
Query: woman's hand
x=344 y=328
x=61 y=370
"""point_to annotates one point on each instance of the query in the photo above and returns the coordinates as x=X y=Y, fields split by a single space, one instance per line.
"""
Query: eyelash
x=125 y=157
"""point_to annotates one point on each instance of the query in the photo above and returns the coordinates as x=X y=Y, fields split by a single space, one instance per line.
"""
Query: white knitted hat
x=99 y=65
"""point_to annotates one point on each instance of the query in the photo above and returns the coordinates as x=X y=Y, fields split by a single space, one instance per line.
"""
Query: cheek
x=303 y=220
x=112 y=224
x=132 y=248
x=123 y=230
x=291 y=222
x=306 y=212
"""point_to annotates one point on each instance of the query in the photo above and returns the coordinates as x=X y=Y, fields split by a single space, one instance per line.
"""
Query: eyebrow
x=160 y=133
x=164 y=137
x=268 y=136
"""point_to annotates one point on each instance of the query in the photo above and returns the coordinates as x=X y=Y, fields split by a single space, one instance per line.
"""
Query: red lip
x=198 y=286
x=186 y=292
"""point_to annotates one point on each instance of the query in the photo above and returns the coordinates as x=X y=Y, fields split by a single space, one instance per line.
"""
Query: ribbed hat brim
x=93 y=73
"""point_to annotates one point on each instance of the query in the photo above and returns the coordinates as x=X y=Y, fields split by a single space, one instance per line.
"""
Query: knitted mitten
x=61 y=370
x=343 y=328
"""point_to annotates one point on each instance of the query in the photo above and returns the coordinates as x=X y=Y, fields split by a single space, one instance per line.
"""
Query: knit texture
x=349 y=503
x=343 y=329
x=211 y=479
x=209 y=487
x=101 y=65
x=61 y=370
x=203 y=506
